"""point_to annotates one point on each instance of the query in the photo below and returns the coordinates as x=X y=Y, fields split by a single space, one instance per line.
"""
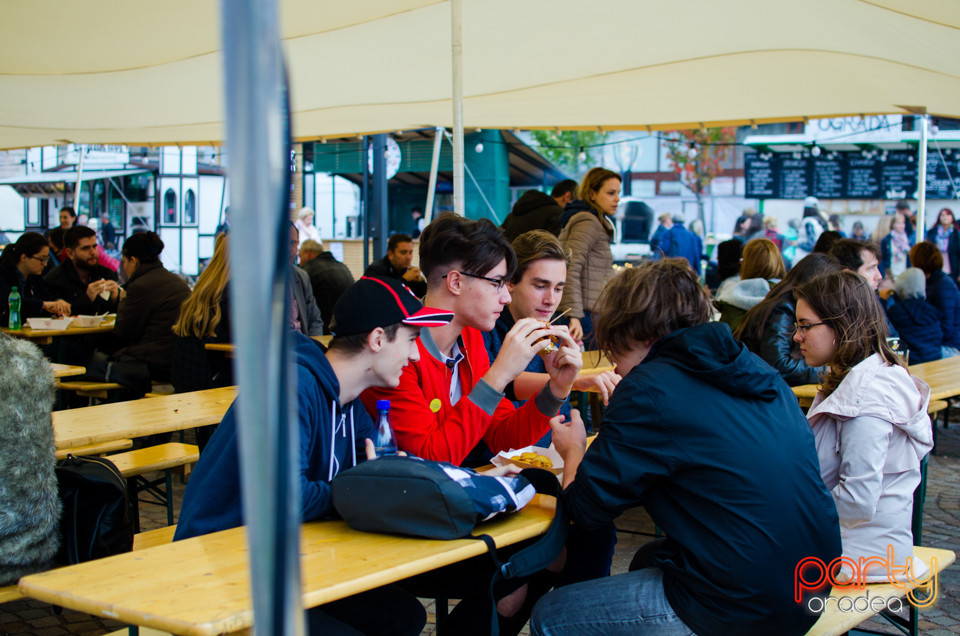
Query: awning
x=49 y=185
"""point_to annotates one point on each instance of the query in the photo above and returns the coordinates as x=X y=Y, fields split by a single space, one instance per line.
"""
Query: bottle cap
x=383 y=405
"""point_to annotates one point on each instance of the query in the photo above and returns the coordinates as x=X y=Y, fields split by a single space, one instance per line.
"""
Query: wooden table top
x=46 y=336
x=137 y=418
x=202 y=585
x=229 y=347
x=66 y=370
x=943 y=376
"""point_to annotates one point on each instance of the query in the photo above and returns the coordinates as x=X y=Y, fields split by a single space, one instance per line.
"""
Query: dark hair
x=563 y=187
x=846 y=301
x=740 y=220
x=69 y=210
x=762 y=259
x=648 y=302
x=926 y=256
x=75 y=234
x=56 y=236
x=474 y=246
x=729 y=253
x=953 y=219
x=29 y=244
x=826 y=241
x=808 y=267
x=903 y=204
x=396 y=239
x=533 y=246
x=145 y=247
x=848 y=252
x=354 y=343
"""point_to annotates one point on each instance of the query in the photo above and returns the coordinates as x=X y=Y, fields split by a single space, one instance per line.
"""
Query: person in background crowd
x=946 y=236
x=681 y=242
x=770 y=231
x=761 y=269
x=790 y=241
x=826 y=241
x=68 y=217
x=665 y=223
x=21 y=266
x=534 y=210
x=755 y=228
x=859 y=233
x=941 y=293
x=328 y=277
x=375 y=332
x=903 y=207
x=741 y=227
x=89 y=288
x=860 y=257
x=882 y=229
x=587 y=237
x=915 y=319
x=835 y=223
x=895 y=249
x=29 y=499
x=149 y=308
x=728 y=494
x=768 y=328
x=814 y=223
x=305 y=314
x=416 y=215
x=398 y=264
x=305 y=227
x=729 y=255
x=55 y=241
x=224 y=227
x=108 y=233
x=869 y=419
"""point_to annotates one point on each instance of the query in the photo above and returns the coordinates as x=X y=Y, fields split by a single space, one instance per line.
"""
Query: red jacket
x=429 y=427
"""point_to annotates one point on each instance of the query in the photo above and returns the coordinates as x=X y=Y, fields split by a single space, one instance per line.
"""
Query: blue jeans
x=629 y=604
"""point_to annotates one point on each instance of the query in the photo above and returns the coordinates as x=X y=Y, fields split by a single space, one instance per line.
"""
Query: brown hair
x=927 y=257
x=846 y=301
x=808 y=267
x=648 y=302
x=533 y=246
x=762 y=259
x=849 y=252
x=592 y=181
x=475 y=246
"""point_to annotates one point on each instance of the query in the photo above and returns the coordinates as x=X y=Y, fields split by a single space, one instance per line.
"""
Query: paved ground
x=941 y=530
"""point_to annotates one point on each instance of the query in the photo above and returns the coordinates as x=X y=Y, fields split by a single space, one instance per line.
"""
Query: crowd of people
x=743 y=483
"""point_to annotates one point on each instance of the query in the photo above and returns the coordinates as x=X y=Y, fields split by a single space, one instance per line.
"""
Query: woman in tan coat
x=587 y=237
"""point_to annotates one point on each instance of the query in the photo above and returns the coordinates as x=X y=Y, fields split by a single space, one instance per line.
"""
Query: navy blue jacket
x=711 y=441
x=212 y=500
x=919 y=326
x=943 y=294
x=679 y=241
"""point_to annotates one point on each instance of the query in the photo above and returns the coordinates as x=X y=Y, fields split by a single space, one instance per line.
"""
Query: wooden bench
x=95 y=449
x=91 y=390
x=141 y=541
x=159 y=390
x=166 y=457
x=835 y=621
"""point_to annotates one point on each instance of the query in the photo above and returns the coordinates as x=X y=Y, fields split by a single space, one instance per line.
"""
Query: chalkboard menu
x=849 y=176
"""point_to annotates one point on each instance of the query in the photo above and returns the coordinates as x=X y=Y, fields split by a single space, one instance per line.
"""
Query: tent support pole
x=258 y=138
x=457 y=63
x=922 y=180
x=434 y=167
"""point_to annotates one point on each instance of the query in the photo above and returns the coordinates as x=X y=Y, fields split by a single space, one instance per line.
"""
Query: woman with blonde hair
x=869 y=420
x=587 y=237
x=761 y=267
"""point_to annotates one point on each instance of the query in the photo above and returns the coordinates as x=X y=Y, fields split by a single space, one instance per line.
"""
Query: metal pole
x=364 y=221
x=378 y=210
x=922 y=181
x=76 y=188
x=457 y=63
x=434 y=167
x=258 y=136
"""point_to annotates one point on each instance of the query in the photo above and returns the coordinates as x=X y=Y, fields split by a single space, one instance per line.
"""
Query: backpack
x=95 y=522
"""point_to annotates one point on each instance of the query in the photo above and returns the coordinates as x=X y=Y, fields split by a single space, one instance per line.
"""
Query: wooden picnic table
x=201 y=586
x=46 y=336
x=66 y=370
x=137 y=418
x=229 y=347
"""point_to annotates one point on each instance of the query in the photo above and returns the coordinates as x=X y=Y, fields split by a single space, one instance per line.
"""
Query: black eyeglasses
x=42 y=259
x=803 y=329
x=499 y=282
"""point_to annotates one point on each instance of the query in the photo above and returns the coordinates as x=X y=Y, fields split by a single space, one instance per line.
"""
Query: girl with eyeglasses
x=21 y=266
x=869 y=419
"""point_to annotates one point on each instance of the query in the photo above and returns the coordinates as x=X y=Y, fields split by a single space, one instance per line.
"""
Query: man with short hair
x=328 y=277
x=679 y=241
x=453 y=397
x=89 y=287
x=861 y=257
x=398 y=264
x=709 y=440
x=534 y=210
x=305 y=314
x=666 y=222
x=376 y=323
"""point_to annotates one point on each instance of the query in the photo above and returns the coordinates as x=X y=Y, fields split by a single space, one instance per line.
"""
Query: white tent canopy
x=115 y=71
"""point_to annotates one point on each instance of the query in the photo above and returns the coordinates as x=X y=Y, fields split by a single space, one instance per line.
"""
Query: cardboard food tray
x=507 y=457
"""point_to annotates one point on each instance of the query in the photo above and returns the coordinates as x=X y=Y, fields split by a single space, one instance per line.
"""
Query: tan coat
x=587 y=239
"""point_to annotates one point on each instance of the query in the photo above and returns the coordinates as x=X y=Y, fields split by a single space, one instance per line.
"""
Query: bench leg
x=133 y=495
x=441 y=605
x=169 y=477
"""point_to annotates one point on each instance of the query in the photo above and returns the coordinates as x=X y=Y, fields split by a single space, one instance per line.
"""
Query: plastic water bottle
x=14 y=304
x=386 y=442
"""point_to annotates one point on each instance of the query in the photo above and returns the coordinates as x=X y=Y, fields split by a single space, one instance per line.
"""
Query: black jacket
x=329 y=279
x=146 y=315
x=953 y=250
x=778 y=349
x=383 y=269
x=534 y=210
x=64 y=282
x=33 y=293
x=919 y=327
x=711 y=441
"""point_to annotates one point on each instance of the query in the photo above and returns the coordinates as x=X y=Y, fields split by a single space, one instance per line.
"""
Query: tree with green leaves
x=563 y=148
x=697 y=157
